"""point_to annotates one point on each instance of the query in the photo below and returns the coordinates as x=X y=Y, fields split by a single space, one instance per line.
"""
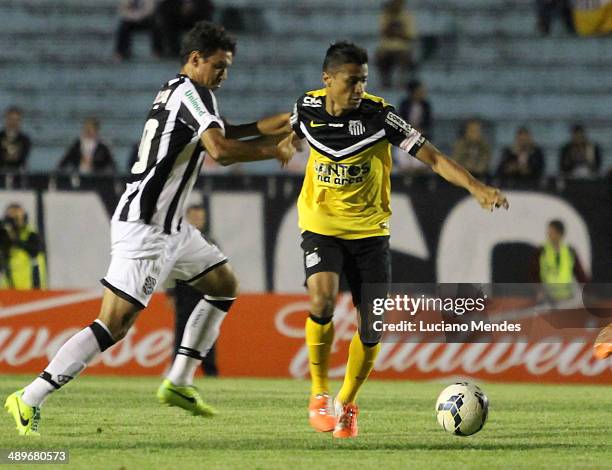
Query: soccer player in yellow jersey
x=344 y=211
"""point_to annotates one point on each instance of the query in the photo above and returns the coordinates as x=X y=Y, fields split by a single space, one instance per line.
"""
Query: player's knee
x=322 y=304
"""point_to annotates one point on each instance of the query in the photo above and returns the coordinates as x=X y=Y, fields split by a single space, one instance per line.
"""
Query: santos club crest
x=356 y=127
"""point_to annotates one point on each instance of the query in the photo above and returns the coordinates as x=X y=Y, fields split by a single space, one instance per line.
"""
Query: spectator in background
x=548 y=9
x=88 y=155
x=580 y=158
x=556 y=265
x=21 y=252
x=136 y=15
x=177 y=16
x=186 y=297
x=14 y=144
x=471 y=150
x=524 y=159
x=416 y=109
x=397 y=35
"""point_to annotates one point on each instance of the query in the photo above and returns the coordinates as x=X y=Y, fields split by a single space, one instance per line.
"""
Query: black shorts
x=362 y=261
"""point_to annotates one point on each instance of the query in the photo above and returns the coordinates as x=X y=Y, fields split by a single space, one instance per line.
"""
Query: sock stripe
x=222 y=303
x=47 y=378
x=105 y=340
x=185 y=351
x=320 y=320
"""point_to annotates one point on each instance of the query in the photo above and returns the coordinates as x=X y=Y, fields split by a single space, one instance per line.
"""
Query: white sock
x=67 y=363
x=201 y=332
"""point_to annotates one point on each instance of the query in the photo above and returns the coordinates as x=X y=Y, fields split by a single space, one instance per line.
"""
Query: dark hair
x=344 y=52
x=557 y=225
x=13 y=109
x=413 y=85
x=523 y=130
x=577 y=128
x=207 y=38
x=94 y=121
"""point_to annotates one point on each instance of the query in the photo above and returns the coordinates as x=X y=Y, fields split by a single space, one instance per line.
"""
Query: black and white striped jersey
x=170 y=155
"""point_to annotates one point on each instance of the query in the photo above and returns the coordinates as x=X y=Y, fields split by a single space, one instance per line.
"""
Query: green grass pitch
x=116 y=423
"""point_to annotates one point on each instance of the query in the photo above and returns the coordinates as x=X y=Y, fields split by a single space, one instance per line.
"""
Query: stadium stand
x=57 y=64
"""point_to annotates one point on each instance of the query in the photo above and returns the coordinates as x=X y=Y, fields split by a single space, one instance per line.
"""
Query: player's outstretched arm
x=272 y=125
x=228 y=151
x=487 y=196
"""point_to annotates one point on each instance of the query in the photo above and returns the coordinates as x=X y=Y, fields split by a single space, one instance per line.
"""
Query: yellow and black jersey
x=347 y=188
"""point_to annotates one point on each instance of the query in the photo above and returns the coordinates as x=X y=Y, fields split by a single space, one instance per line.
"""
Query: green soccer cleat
x=187 y=398
x=27 y=418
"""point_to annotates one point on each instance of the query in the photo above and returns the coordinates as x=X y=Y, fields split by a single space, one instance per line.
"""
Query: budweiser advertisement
x=264 y=337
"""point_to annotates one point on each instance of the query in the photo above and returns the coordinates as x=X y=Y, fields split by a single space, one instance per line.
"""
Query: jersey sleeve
x=295 y=119
x=198 y=109
x=401 y=134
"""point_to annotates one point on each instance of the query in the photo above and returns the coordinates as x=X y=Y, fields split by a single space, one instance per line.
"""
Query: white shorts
x=143 y=257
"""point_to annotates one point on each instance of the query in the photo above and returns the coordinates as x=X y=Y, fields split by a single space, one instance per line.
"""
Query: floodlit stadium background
x=477 y=58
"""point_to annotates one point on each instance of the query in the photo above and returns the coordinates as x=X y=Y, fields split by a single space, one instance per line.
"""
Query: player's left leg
x=219 y=288
x=368 y=263
x=603 y=344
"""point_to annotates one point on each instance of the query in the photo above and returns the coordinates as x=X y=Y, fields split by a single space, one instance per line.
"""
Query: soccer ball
x=462 y=409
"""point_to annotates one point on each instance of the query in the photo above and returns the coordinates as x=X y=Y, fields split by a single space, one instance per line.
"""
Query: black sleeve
x=108 y=159
x=537 y=163
x=25 y=151
x=597 y=163
x=505 y=157
x=565 y=161
x=400 y=133
x=72 y=157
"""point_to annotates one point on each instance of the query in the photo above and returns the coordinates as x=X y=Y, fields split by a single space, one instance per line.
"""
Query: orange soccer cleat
x=603 y=344
x=347 y=421
x=320 y=415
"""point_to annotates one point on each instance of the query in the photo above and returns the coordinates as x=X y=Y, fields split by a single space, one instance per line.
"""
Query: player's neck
x=333 y=109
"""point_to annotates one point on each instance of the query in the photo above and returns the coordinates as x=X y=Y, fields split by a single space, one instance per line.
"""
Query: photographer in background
x=21 y=253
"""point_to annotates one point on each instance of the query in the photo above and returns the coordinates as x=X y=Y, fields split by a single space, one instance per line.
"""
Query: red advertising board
x=263 y=336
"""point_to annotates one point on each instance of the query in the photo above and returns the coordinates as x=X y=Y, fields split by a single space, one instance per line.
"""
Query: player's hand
x=285 y=150
x=490 y=198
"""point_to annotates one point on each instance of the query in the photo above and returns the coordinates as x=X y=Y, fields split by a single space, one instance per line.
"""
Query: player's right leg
x=116 y=317
x=204 y=267
x=322 y=264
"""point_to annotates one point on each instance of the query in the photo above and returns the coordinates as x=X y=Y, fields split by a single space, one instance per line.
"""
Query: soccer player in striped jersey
x=344 y=212
x=149 y=239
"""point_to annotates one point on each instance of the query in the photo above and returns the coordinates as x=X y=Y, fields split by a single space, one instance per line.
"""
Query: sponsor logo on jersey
x=341 y=174
x=312 y=102
x=312 y=259
x=356 y=127
x=195 y=102
x=149 y=285
x=317 y=124
x=398 y=123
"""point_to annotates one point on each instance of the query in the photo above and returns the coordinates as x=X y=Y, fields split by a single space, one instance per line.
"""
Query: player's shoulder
x=312 y=99
x=195 y=94
x=375 y=102
x=373 y=107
